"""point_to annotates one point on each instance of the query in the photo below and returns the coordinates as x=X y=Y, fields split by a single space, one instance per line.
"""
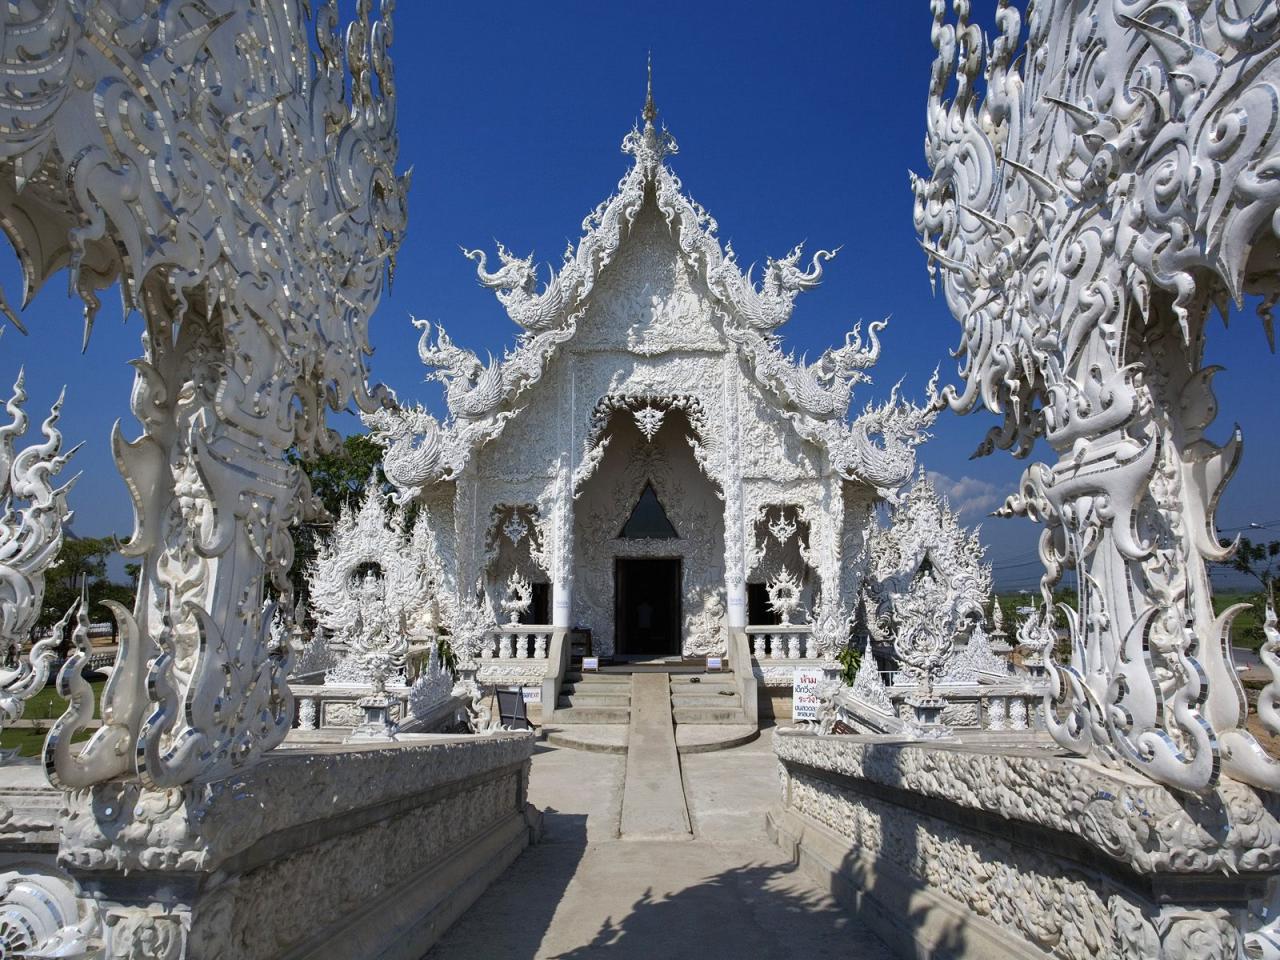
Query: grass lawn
x=45 y=705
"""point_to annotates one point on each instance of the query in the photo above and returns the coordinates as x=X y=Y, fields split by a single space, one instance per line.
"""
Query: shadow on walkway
x=511 y=917
x=756 y=911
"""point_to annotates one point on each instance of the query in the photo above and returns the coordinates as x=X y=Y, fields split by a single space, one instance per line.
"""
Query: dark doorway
x=647 y=594
x=758 y=612
x=539 y=611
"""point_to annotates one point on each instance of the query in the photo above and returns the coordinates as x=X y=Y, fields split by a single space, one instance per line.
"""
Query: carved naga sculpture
x=249 y=208
x=1113 y=184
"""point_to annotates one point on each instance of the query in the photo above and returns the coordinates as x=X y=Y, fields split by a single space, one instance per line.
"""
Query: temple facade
x=646 y=457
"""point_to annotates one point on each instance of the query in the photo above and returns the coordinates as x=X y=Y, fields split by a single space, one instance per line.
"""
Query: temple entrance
x=647 y=594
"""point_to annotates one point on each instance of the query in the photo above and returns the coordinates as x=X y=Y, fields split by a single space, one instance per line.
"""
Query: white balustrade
x=518 y=643
x=786 y=642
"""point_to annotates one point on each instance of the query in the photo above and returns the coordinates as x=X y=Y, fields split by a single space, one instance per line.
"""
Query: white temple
x=647 y=465
x=646 y=455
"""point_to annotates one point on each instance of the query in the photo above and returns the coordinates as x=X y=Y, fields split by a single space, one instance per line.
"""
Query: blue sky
x=794 y=124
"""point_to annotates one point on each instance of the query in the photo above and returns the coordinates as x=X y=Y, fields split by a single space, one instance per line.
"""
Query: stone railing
x=319 y=707
x=1010 y=704
x=784 y=642
x=961 y=850
x=313 y=852
x=516 y=654
x=776 y=651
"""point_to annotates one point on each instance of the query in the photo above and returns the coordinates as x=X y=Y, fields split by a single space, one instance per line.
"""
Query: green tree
x=337 y=478
x=82 y=561
x=340 y=477
x=1256 y=560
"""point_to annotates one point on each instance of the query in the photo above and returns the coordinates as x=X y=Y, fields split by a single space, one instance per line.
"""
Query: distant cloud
x=969 y=496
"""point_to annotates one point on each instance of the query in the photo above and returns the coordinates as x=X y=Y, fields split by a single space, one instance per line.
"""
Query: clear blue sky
x=794 y=123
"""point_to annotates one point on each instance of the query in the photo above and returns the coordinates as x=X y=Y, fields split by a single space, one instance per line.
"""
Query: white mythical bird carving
x=515 y=284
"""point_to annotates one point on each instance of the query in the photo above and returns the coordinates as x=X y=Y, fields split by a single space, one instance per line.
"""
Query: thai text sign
x=804 y=696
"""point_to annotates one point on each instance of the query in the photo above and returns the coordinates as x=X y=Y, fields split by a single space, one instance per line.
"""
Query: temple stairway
x=594 y=710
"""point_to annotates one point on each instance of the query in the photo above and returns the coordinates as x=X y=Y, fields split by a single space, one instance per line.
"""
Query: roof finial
x=650 y=110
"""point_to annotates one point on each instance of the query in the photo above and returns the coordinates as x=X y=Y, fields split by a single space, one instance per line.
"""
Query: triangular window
x=648 y=521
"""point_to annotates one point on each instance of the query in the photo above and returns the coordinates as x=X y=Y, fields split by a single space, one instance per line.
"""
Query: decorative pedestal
x=960 y=851
x=378 y=724
x=927 y=710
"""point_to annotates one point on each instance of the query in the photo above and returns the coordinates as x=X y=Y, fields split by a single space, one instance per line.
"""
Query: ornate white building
x=646 y=454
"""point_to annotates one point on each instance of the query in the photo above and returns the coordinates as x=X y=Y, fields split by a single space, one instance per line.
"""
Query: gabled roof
x=814 y=397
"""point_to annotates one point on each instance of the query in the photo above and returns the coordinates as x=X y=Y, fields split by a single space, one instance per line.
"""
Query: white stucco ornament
x=35 y=514
x=1114 y=180
x=230 y=166
x=372 y=565
x=927 y=581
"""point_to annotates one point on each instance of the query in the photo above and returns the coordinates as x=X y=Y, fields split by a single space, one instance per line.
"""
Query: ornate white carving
x=974 y=659
x=518 y=599
x=868 y=685
x=248 y=207
x=482 y=398
x=1113 y=183
x=30 y=539
x=1269 y=654
x=649 y=421
x=372 y=583
x=39 y=917
x=1026 y=888
x=784 y=595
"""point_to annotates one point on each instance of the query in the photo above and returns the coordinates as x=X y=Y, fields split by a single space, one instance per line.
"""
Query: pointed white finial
x=650 y=109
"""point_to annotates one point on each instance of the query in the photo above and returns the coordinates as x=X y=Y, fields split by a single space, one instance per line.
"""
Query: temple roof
x=815 y=397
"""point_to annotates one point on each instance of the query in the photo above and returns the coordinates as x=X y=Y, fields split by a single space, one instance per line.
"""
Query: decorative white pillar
x=562 y=533
x=735 y=572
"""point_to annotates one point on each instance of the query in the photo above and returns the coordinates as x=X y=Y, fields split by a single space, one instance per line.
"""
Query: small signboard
x=532 y=694
x=804 y=694
x=715 y=663
x=590 y=663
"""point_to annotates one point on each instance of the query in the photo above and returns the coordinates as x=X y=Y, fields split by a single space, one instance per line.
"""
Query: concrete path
x=727 y=893
x=653 y=806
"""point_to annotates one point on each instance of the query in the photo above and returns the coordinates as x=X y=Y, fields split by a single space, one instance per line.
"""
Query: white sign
x=532 y=694
x=804 y=696
x=590 y=663
x=715 y=663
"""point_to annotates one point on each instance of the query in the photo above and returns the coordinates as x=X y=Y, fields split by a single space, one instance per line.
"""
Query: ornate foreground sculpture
x=249 y=210
x=29 y=543
x=1115 y=182
x=213 y=161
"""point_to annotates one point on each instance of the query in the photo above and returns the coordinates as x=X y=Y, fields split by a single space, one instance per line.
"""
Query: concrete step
x=573 y=715
x=707 y=737
x=597 y=689
x=597 y=738
x=582 y=699
x=720 y=701
x=594 y=678
x=699 y=681
x=704 y=715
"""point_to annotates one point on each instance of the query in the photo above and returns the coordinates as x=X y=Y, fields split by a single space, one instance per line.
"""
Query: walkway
x=584 y=893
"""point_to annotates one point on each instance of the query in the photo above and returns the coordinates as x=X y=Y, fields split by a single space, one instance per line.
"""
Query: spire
x=649 y=146
x=650 y=109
